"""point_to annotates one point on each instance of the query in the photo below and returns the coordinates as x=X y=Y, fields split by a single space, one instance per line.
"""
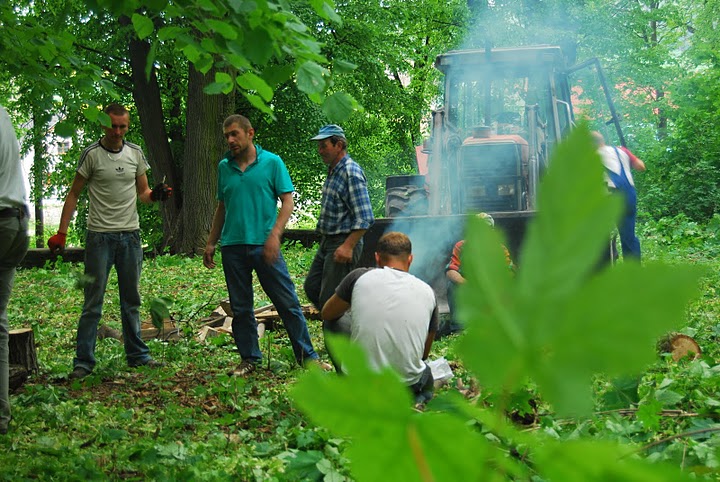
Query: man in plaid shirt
x=345 y=215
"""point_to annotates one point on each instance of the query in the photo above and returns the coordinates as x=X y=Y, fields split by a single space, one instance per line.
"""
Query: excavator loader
x=505 y=110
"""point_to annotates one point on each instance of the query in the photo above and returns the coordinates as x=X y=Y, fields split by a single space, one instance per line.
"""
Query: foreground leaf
x=559 y=322
x=390 y=441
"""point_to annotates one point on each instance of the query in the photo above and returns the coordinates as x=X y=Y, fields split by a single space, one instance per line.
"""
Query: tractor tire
x=407 y=200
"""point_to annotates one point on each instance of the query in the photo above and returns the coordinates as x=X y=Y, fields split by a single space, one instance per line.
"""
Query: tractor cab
x=504 y=111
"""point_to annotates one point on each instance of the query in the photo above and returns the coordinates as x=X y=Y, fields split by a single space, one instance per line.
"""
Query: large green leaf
x=599 y=461
x=390 y=441
x=251 y=81
x=143 y=25
x=326 y=9
x=339 y=107
x=558 y=321
x=218 y=88
x=160 y=311
x=225 y=29
x=311 y=78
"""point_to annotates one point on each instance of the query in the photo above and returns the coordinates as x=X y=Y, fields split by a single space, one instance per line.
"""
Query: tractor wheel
x=407 y=200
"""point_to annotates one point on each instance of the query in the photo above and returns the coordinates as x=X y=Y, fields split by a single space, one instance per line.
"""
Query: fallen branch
x=673 y=437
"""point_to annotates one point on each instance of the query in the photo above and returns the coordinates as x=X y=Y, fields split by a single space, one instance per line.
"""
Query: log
x=147 y=332
x=683 y=345
x=679 y=346
x=38 y=257
x=22 y=349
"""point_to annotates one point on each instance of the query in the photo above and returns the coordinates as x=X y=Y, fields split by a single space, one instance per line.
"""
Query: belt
x=14 y=213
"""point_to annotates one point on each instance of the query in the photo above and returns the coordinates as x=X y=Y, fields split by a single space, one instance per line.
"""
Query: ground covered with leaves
x=191 y=421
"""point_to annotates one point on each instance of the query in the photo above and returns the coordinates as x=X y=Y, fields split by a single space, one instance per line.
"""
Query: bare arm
x=214 y=236
x=455 y=276
x=271 y=250
x=635 y=162
x=334 y=308
x=432 y=329
x=71 y=203
x=428 y=344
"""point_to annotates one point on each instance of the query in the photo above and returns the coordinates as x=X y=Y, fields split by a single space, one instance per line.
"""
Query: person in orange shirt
x=454 y=275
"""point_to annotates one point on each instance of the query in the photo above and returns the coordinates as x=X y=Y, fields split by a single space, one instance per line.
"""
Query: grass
x=191 y=421
x=187 y=421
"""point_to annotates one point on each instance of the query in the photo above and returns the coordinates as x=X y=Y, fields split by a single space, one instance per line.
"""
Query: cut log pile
x=169 y=331
x=23 y=354
x=221 y=320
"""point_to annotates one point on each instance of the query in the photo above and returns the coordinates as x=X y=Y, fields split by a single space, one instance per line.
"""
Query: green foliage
x=160 y=311
x=558 y=323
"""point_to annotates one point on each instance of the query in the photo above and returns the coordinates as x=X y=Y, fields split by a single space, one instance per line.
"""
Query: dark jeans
x=626 y=227
x=424 y=388
x=13 y=246
x=103 y=251
x=453 y=325
x=239 y=261
x=325 y=275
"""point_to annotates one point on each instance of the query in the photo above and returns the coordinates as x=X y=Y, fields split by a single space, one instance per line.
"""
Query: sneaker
x=244 y=369
x=78 y=373
x=150 y=364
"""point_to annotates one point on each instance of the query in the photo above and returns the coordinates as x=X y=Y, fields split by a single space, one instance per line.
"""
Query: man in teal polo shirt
x=247 y=222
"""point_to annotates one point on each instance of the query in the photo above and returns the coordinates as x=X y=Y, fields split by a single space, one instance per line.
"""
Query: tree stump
x=23 y=356
x=679 y=346
x=22 y=349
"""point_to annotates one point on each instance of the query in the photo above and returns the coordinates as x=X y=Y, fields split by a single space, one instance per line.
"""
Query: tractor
x=505 y=109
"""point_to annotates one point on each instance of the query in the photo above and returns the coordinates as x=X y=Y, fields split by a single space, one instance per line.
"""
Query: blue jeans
x=239 y=261
x=626 y=228
x=13 y=246
x=102 y=252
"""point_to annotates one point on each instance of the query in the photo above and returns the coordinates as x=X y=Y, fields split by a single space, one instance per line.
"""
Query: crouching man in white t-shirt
x=394 y=315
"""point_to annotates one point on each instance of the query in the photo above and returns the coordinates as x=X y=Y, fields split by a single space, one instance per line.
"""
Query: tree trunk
x=146 y=93
x=39 y=169
x=204 y=146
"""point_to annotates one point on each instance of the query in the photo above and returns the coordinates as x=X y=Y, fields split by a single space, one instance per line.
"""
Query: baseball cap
x=329 y=131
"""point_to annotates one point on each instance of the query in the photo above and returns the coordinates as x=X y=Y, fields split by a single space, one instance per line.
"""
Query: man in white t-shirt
x=619 y=162
x=114 y=171
x=394 y=314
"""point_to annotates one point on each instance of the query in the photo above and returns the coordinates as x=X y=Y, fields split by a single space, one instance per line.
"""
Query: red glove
x=57 y=243
x=161 y=192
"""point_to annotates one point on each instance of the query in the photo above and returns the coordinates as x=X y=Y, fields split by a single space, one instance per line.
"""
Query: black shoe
x=78 y=373
x=150 y=364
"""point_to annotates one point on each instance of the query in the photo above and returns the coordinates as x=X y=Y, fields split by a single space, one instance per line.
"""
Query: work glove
x=161 y=192
x=56 y=243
